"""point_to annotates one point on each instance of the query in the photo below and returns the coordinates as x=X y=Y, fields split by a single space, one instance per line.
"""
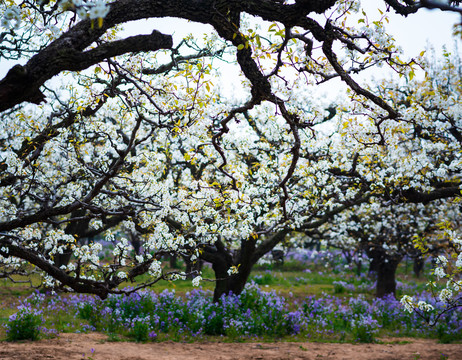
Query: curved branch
x=332 y=58
x=22 y=83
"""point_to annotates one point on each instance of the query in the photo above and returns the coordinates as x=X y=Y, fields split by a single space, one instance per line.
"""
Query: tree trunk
x=359 y=267
x=222 y=260
x=234 y=283
x=135 y=241
x=418 y=266
x=386 y=282
x=226 y=284
x=222 y=280
x=248 y=255
x=384 y=266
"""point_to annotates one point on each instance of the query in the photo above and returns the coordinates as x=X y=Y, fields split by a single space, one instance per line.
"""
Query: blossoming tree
x=95 y=126
x=412 y=160
x=386 y=232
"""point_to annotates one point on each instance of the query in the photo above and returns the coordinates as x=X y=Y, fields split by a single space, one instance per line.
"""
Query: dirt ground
x=96 y=347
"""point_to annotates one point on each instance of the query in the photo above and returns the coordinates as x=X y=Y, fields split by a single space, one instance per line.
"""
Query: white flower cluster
x=445 y=295
x=89 y=254
x=459 y=260
x=422 y=305
x=439 y=272
x=49 y=281
x=155 y=270
x=30 y=233
x=233 y=270
x=87 y=9
x=345 y=6
x=56 y=241
x=453 y=287
x=10 y=261
x=450 y=269
x=96 y=224
x=196 y=281
x=410 y=305
x=175 y=276
x=11 y=18
x=122 y=250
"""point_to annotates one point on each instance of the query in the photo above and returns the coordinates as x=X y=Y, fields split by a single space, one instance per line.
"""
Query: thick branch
x=22 y=83
x=415 y=196
x=79 y=285
x=332 y=57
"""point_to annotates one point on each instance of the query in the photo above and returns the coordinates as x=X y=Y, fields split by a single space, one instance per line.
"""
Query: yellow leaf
x=411 y=75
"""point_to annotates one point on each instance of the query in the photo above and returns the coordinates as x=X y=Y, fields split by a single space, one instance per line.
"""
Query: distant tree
x=387 y=232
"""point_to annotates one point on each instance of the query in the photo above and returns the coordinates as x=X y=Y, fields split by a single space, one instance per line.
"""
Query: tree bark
x=418 y=266
x=386 y=281
x=173 y=261
x=384 y=266
x=227 y=284
x=222 y=260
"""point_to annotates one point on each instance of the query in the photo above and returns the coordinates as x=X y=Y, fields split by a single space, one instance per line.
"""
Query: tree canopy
x=104 y=135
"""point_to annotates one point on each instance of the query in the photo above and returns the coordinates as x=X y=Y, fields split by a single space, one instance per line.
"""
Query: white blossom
x=408 y=303
x=196 y=281
x=122 y=275
x=99 y=10
x=439 y=272
x=422 y=305
x=445 y=295
x=233 y=270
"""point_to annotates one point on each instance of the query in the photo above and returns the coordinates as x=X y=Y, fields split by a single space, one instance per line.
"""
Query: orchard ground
x=311 y=307
x=80 y=346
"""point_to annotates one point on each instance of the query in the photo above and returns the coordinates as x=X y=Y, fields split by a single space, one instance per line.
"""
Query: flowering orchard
x=132 y=139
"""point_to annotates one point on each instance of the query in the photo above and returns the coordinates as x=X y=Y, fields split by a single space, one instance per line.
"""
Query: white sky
x=427 y=26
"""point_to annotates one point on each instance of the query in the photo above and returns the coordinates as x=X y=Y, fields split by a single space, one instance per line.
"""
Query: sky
x=427 y=26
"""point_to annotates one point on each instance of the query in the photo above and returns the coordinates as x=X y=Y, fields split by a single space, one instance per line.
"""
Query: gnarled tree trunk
x=384 y=265
x=222 y=260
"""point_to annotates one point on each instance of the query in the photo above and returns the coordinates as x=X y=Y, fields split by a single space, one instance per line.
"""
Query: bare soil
x=94 y=346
